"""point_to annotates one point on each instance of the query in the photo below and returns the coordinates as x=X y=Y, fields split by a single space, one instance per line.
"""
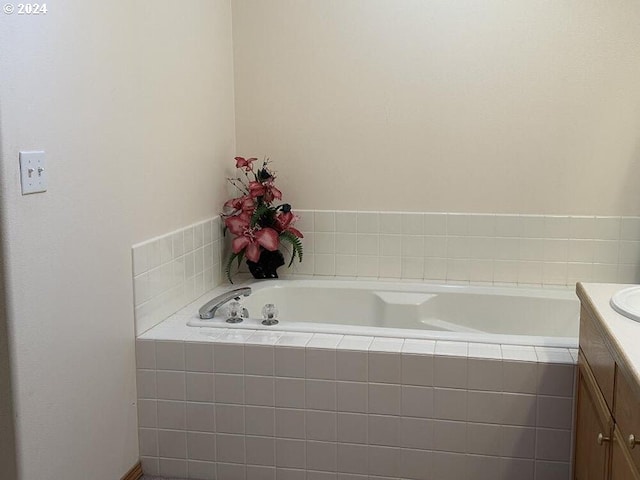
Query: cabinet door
x=593 y=429
x=622 y=466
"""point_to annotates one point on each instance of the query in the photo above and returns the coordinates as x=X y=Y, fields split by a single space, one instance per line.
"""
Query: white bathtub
x=486 y=314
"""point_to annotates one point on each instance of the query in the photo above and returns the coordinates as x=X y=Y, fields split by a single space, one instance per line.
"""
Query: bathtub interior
x=415 y=309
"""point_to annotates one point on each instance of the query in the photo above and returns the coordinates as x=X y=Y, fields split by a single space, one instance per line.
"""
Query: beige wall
x=472 y=106
x=133 y=103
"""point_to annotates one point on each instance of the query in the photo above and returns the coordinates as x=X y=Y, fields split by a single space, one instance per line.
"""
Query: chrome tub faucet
x=208 y=310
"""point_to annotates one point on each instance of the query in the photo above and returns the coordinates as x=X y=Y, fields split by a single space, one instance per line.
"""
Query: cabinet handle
x=601 y=439
x=631 y=441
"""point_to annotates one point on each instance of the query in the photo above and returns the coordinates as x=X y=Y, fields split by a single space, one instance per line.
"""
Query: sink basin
x=627 y=303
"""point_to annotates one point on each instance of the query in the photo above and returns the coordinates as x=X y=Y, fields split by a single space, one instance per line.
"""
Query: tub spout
x=208 y=310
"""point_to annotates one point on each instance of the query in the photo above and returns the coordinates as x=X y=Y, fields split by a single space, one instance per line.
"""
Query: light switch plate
x=33 y=172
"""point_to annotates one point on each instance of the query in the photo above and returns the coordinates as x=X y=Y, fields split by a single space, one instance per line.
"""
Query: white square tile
x=325 y=264
x=231 y=471
x=484 y=439
x=352 y=397
x=199 y=357
x=435 y=246
x=260 y=451
x=485 y=374
x=294 y=339
x=346 y=265
x=367 y=266
x=417 y=369
x=390 y=223
x=384 y=344
x=262 y=338
x=171 y=415
x=200 y=470
x=228 y=358
x=553 y=355
x=290 y=453
x=290 y=392
x=259 y=390
x=450 y=371
x=324 y=221
x=352 y=365
x=321 y=456
x=556 y=379
x=553 y=445
x=417 y=401
x=435 y=268
x=352 y=458
x=201 y=446
x=607 y=228
x=412 y=246
x=391 y=245
x=320 y=363
x=199 y=387
x=555 y=412
x=259 y=421
x=416 y=433
x=367 y=244
x=230 y=448
x=450 y=437
x=435 y=224
x=320 y=395
x=520 y=377
x=346 y=222
x=413 y=267
x=148 y=441
x=517 y=442
x=485 y=407
x=368 y=222
x=172 y=444
x=519 y=409
x=413 y=224
x=171 y=385
x=325 y=242
x=200 y=417
x=346 y=244
x=384 y=430
x=229 y=388
x=321 y=426
x=457 y=224
x=485 y=350
x=507 y=225
x=352 y=428
x=145 y=354
x=452 y=349
x=450 y=404
x=259 y=359
x=229 y=419
x=384 y=399
x=384 y=461
x=551 y=470
x=170 y=355
x=147 y=413
x=390 y=267
x=290 y=362
x=384 y=367
x=324 y=340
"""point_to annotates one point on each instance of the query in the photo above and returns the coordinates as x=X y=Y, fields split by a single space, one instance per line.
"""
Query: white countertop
x=623 y=332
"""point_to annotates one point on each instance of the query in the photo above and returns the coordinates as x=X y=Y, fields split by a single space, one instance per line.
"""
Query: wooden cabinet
x=607 y=410
x=593 y=429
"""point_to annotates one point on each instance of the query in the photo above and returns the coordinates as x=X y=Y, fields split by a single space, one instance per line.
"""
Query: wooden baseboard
x=135 y=473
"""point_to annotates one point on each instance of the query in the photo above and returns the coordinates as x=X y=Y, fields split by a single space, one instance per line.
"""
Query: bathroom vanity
x=607 y=442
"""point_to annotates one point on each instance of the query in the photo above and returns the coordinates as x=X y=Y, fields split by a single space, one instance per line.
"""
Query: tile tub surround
x=253 y=405
x=172 y=270
x=459 y=247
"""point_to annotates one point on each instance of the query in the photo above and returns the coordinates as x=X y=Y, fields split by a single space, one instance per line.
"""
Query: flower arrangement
x=259 y=225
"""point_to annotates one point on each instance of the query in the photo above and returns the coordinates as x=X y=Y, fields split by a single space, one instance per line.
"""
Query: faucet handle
x=235 y=312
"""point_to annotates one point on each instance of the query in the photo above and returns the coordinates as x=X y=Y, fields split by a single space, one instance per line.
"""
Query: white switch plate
x=33 y=172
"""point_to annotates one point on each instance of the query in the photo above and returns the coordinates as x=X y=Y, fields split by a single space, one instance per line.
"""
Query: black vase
x=267 y=265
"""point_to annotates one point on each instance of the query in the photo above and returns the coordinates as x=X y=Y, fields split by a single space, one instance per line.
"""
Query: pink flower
x=245 y=163
x=285 y=221
x=249 y=238
x=266 y=190
x=239 y=205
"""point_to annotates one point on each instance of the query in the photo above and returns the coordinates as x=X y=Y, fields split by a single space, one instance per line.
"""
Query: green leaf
x=232 y=257
x=296 y=245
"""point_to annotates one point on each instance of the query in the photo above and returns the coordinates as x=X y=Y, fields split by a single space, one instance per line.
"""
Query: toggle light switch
x=33 y=173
